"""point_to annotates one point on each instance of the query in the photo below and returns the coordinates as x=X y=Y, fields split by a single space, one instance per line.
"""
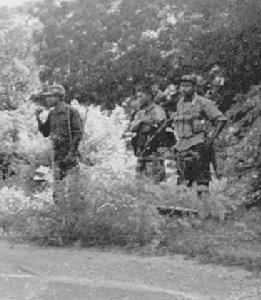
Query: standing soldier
x=65 y=128
x=193 y=139
x=147 y=126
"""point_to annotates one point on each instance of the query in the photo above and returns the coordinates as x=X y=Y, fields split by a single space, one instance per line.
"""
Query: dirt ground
x=30 y=273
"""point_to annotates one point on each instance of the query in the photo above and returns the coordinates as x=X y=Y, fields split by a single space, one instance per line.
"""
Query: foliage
x=103 y=131
x=14 y=207
x=19 y=73
x=244 y=151
x=103 y=206
x=93 y=212
x=108 y=48
x=22 y=148
x=102 y=51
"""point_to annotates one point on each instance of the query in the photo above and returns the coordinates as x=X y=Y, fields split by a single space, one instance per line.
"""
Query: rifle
x=151 y=138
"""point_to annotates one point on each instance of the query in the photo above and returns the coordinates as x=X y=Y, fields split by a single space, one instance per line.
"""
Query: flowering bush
x=92 y=211
x=22 y=148
x=14 y=205
x=103 y=133
x=111 y=208
x=31 y=144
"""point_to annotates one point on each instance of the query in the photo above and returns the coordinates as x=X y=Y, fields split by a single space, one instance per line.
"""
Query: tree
x=102 y=49
x=18 y=75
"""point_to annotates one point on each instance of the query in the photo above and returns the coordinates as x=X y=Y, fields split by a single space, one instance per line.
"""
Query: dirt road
x=32 y=273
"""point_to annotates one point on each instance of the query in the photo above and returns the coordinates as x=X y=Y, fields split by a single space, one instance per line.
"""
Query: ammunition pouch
x=187 y=126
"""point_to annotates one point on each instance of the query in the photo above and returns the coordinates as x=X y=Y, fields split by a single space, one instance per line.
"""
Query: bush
x=93 y=212
x=103 y=132
x=243 y=162
x=99 y=208
x=104 y=204
x=14 y=207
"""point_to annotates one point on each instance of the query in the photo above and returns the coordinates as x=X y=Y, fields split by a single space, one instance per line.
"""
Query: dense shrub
x=104 y=204
x=105 y=208
x=243 y=162
x=14 y=208
x=92 y=211
x=103 y=132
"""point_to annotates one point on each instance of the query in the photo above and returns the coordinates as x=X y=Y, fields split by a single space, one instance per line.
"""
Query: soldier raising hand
x=64 y=127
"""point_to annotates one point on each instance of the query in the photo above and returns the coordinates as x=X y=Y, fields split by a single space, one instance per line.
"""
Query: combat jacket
x=191 y=121
x=65 y=128
x=145 y=124
x=150 y=116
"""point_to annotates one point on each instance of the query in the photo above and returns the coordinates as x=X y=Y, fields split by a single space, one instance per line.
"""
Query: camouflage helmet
x=189 y=78
x=55 y=89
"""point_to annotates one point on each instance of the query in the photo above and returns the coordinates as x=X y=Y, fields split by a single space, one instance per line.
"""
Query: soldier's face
x=186 y=88
x=140 y=95
x=52 y=100
x=144 y=99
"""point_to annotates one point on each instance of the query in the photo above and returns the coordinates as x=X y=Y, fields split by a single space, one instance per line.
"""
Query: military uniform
x=65 y=128
x=146 y=125
x=191 y=123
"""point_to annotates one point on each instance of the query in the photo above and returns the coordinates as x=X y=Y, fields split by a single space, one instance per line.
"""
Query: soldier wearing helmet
x=64 y=127
x=193 y=139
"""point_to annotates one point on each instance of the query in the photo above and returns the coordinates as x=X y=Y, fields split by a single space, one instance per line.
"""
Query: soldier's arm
x=220 y=124
x=136 y=122
x=216 y=117
x=44 y=127
x=158 y=116
x=76 y=130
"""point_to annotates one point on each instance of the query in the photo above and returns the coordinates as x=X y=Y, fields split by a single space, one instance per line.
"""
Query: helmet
x=55 y=89
x=189 y=78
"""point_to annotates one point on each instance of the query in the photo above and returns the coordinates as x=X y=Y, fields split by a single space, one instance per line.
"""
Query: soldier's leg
x=180 y=168
x=56 y=182
x=186 y=167
x=203 y=176
x=204 y=200
x=69 y=183
x=60 y=184
x=158 y=170
x=161 y=171
x=69 y=168
x=140 y=166
x=213 y=161
x=203 y=179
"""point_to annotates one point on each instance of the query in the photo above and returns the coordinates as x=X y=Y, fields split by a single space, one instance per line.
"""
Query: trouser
x=61 y=186
x=153 y=168
x=193 y=166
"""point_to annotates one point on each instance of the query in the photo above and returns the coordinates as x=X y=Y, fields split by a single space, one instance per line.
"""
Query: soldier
x=65 y=128
x=193 y=139
x=147 y=126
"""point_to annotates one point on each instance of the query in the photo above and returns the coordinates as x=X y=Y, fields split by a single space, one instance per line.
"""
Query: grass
x=234 y=242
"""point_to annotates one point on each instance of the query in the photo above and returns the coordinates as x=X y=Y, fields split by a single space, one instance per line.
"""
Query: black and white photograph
x=130 y=154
